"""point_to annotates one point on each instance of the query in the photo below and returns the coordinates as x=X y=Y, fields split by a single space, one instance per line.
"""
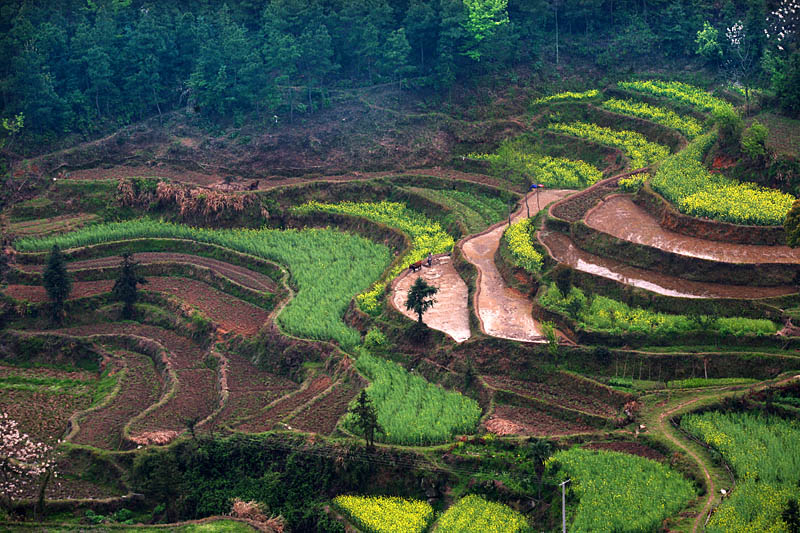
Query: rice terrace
x=400 y=266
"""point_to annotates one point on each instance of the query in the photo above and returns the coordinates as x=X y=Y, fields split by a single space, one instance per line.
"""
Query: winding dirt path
x=617 y=215
x=241 y=275
x=564 y=250
x=450 y=313
x=503 y=311
x=663 y=426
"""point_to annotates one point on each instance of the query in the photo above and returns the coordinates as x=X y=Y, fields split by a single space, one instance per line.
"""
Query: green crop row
x=600 y=313
x=618 y=491
x=520 y=244
x=568 y=95
x=554 y=172
x=476 y=211
x=679 y=92
x=426 y=235
x=411 y=410
x=385 y=514
x=473 y=514
x=639 y=150
x=328 y=267
x=764 y=452
x=686 y=125
x=684 y=180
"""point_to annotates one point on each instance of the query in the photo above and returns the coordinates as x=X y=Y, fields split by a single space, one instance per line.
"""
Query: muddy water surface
x=503 y=311
x=563 y=250
x=620 y=217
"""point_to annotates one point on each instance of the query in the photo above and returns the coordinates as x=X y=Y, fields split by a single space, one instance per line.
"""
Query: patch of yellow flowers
x=685 y=181
x=686 y=125
x=568 y=95
x=639 y=150
x=677 y=91
x=473 y=514
x=518 y=236
x=384 y=514
x=426 y=236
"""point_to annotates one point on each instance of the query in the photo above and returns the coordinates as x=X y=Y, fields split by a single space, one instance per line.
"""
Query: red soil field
x=196 y=399
x=267 y=419
x=561 y=396
x=241 y=275
x=251 y=389
x=140 y=387
x=533 y=423
x=228 y=311
x=322 y=414
x=183 y=353
x=42 y=415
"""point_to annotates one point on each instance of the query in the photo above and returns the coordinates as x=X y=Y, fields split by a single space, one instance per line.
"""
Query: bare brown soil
x=561 y=396
x=530 y=422
x=42 y=415
x=230 y=313
x=450 y=313
x=42 y=372
x=241 y=275
x=196 y=398
x=250 y=389
x=322 y=415
x=617 y=215
x=563 y=250
x=265 y=420
x=503 y=311
x=140 y=387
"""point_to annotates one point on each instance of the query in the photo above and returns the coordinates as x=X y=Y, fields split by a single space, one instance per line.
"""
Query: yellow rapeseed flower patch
x=686 y=125
x=677 y=91
x=384 y=514
x=639 y=150
x=518 y=236
x=568 y=95
x=473 y=514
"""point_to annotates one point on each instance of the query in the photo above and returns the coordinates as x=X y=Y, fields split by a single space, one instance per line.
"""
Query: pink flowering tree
x=23 y=462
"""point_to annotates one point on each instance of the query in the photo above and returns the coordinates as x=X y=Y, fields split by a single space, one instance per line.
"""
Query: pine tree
x=57 y=283
x=417 y=297
x=125 y=286
x=366 y=418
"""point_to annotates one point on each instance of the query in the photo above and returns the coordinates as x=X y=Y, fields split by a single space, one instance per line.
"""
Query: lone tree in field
x=417 y=297
x=366 y=418
x=125 y=286
x=57 y=283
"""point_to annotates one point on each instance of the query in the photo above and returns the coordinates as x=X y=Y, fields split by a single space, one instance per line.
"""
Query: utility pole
x=564 y=507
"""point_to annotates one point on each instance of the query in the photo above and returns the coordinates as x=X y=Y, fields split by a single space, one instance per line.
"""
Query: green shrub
x=754 y=140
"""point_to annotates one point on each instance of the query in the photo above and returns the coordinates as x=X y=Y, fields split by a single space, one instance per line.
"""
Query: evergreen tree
x=57 y=283
x=366 y=418
x=417 y=297
x=125 y=286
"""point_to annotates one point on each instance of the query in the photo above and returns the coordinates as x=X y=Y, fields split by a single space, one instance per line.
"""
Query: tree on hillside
x=125 y=286
x=366 y=418
x=418 y=296
x=57 y=283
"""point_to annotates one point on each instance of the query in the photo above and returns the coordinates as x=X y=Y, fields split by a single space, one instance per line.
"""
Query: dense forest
x=91 y=65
